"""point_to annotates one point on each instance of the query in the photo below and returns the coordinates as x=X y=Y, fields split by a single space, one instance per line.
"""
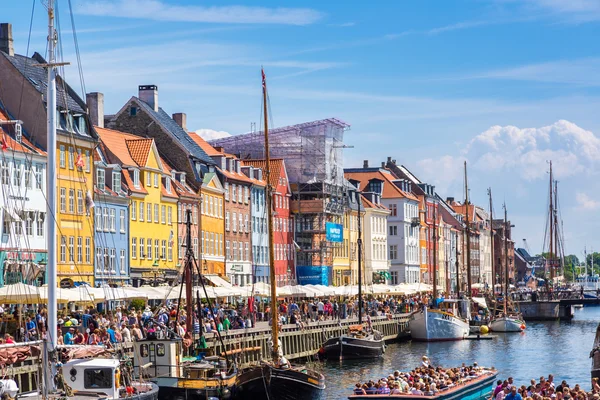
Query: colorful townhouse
x=23 y=246
x=24 y=84
x=213 y=225
x=258 y=226
x=283 y=248
x=152 y=207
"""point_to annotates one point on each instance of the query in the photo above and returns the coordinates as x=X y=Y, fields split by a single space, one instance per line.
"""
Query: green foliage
x=138 y=304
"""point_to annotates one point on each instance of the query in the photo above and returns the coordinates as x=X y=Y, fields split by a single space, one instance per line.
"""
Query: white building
x=375 y=236
x=23 y=246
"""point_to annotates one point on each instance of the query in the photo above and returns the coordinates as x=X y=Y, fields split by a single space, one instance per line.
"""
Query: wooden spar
x=505 y=260
x=494 y=272
x=435 y=261
x=468 y=233
x=551 y=216
x=274 y=308
x=359 y=244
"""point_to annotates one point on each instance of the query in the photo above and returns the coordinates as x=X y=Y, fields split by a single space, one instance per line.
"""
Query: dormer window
x=100 y=179
x=168 y=184
x=133 y=111
x=18 y=133
x=173 y=175
x=182 y=178
x=116 y=182
x=136 y=178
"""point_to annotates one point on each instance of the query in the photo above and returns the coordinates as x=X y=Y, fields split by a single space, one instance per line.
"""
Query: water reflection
x=559 y=348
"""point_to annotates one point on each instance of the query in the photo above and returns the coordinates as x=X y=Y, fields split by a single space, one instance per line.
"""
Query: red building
x=283 y=247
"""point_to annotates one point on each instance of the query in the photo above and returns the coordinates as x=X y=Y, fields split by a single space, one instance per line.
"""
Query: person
x=358 y=389
x=513 y=395
x=70 y=336
x=111 y=334
x=425 y=361
x=502 y=394
x=126 y=333
x=8 y=339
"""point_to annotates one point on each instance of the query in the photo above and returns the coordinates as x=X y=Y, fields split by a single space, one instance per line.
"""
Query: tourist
x=513 y=395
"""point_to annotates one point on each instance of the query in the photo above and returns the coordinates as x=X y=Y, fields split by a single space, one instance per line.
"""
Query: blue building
x=111 y=263
x=258 y=215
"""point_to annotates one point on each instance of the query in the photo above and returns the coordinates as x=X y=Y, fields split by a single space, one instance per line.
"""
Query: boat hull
x=507 y=324
x=146 y=391
x=433 y=325
x=266 y=382
x=348 y=347
x=173 y=388
x=595 y=355
x=476 y=389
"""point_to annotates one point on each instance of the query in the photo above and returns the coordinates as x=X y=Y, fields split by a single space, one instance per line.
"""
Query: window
x=111 y=262
x=241 y=195
x=100 y=178
x=17 y=173
x=220 y=211
x=247 y=252
x=156 y=213
x=234 y=222
x=227 y=191
x=156 y=249
x=246 y=223
x=122 y=260
x=227 y=221
x=79 y=249
x=170 y=252
x=5 y=173
x=148 y=178
x=88 y=254
x=71 y=201
x=98 y=218
x=99 y=259
x=106 y=219
x=210 y=206
x=40 y=224
x=163 y=249
x=29 y=225
x=227 y=253
x=70 y=162
x=87 y=161
x=98 y=378
x=195 y=246
x=393 y=230
x=116 y=182
x=71 y=248
x=168 y=184
x=235 y=254
x=141 y=211
x=163 y=216
x=233 y=192
x=149 y=212
x=122 y=221
x=133 y=111
x=134 y=247
x=246 y=194
x=28 y=173
x=63 y=249
x=80 y=202
x=149 y=249
x=180 y=247
x=393 y=210
x=393 y=252
x=156 y=180
x=241 y=220
x=170 y=215
x=62 y=156
x=179 y=219
x=136 y=178
x=195 y=208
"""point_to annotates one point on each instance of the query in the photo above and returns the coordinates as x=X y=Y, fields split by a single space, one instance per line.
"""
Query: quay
x=249 y=346
x=547 y=310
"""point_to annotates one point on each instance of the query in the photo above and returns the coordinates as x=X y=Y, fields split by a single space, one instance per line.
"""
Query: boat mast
x=468 y=232
x=551 y=255
x=274 y=313
x=556 y=230
x=505 y=260
x=188 y=271
x=359 y=244
x=52 y=268
x=435 y=260
x=492 y=235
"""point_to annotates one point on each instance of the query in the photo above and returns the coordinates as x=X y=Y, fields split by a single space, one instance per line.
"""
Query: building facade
x=374 y=227
x=213 y=225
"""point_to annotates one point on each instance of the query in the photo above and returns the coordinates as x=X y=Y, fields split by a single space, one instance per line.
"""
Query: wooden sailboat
x=507 y=320
x=359 y=342
x=276 y=378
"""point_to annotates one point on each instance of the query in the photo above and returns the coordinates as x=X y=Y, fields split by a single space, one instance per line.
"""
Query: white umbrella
x=20 y=293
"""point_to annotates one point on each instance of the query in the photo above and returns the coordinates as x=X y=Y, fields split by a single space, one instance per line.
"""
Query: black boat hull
x=348 y=347
x=595 y=355
x=168 y=393
x=266 y=382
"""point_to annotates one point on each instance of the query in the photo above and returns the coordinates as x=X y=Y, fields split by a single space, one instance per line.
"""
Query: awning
x=217 y=281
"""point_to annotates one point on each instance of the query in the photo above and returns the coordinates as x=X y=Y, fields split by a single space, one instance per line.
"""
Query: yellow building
x=152 y=209
x=342 y=273
x=75 y=182
x=212 y=225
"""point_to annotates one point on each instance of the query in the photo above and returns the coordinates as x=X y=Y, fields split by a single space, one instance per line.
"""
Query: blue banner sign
x=334 y=232
x=312 y=275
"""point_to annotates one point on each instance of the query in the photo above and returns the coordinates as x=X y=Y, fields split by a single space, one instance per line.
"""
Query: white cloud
x=571 y=11
x=161 y=11
x=211 y=134
x=585 y=202
x=442 y=172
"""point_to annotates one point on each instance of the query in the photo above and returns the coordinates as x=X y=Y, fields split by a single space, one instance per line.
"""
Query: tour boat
x=595 y=355
x=356 y=344
x=431 y=325
x=474 y=389
x=276 y=378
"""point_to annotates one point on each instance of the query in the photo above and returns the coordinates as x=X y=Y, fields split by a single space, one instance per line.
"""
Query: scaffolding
x=313 y=155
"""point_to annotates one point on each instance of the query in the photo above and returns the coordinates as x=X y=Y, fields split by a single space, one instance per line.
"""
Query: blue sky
x=505 y=84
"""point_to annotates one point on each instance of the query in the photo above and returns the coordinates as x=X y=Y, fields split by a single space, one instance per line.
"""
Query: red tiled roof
x=277 y=167
x=24 y=147
x=130 y=185
x=369 y=204
x=208 y=149
x=114 y=142
x=139 y=149
x=390 y=190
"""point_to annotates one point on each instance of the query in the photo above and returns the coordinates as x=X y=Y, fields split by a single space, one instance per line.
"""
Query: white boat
x=507 y=324
x=441 y=324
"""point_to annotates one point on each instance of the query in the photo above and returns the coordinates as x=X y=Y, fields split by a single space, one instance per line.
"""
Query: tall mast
x=52 y=269
x=551 y=254
x=435 y=260
x=468 y=232
x=359 y=244
x=556 y=230
x=188 y=272
x=457 y=266
x=505 y=259
x=492 y=236
x=274 y=322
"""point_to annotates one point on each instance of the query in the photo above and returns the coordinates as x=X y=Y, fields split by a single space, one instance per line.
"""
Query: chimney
x=366 y=164
x=95 y=105
x=383 y=164
x=394 y=162
x=449 y=200
x=149 y=95
x=389 y=160
x=181 y=119
x=6 y=39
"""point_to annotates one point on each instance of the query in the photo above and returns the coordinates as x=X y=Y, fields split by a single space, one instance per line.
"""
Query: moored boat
x=432 y=325
x=507 y=324
x=595 y=355
x=356 y=344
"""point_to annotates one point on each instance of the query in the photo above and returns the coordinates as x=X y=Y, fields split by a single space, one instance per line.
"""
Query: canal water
x=558 y=348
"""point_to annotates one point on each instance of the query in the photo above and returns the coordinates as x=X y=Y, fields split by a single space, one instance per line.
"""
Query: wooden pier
x=249 y=346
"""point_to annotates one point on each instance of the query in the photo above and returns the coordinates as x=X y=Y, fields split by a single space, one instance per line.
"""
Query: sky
x=506 y=85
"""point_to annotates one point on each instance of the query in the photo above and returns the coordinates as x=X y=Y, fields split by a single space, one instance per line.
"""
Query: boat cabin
x=458 y=307
x=157 y=357
x=211 y=367
x=96 y=375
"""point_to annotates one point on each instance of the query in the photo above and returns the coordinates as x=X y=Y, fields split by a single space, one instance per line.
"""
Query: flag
x=4 y=144
x=80 y=163
x=264 y=79
x=171 y=238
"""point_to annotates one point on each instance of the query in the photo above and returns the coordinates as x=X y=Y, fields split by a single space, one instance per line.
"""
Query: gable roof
x=277 y=166
x=6 y=136
x=172 y=127
x=208 y=149
x=390 y=190
x=115 y=142
x=369 y=204
x=139 y=149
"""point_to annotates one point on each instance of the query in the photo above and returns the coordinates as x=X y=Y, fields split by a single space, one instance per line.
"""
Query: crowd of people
x=544 y=389
x=425 y=380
